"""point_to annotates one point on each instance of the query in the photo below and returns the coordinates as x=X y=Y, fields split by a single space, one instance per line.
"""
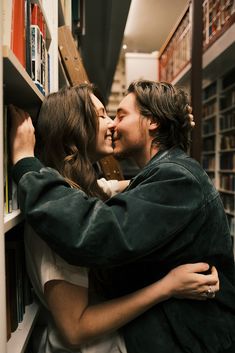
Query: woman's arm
x=79 y=323
x=122 y=185
x=112 y=187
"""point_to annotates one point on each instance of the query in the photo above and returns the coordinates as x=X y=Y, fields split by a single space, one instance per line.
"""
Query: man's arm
x=86 y=231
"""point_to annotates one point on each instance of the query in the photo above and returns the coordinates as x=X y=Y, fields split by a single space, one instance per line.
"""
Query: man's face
x=130 y=130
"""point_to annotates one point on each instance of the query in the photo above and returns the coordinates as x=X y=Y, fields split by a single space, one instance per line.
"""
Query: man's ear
x=152 y=125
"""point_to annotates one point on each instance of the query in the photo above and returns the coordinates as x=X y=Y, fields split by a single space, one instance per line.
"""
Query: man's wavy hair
x=66 y=135
x=168 y=107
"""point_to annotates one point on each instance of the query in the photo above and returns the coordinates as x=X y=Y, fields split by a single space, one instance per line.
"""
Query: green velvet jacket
x=170 y=214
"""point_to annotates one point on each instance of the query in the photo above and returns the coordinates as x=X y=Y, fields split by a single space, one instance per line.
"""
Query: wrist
x=25 y=165
x=17 y=157
x=166 y=288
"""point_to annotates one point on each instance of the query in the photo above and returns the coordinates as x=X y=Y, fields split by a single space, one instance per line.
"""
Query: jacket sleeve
x=87 y=232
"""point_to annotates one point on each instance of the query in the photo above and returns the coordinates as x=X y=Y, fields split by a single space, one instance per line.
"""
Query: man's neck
x=144 y=158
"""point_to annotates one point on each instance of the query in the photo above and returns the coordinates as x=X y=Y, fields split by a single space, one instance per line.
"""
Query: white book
x=36 y=54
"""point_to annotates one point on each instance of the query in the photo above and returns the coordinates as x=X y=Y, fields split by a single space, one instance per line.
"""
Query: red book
x=35 y=14
x=18 y=30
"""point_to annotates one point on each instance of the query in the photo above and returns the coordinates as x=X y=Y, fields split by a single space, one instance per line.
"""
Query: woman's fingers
x=22 y=137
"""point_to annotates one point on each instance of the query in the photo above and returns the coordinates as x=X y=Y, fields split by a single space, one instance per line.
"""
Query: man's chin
x=119 y=154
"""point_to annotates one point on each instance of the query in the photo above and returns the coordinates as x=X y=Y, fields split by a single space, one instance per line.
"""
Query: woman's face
x=104 y=139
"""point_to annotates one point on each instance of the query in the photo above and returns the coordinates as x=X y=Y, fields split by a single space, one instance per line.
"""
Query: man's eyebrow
x=121 y=110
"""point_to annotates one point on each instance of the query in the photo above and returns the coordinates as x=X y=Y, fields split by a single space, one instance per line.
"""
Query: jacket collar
x=165 y=154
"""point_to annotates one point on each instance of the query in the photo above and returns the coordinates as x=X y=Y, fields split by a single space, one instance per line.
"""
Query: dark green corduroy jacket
x=170 y=214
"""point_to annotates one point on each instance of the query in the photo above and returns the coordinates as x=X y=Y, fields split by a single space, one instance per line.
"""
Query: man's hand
x=22 y=137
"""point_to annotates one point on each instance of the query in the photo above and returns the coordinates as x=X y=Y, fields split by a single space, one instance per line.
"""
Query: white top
x=44 y=265
x=110 y=187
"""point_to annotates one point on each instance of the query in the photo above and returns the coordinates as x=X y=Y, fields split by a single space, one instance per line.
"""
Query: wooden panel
x=71 y=58
x=111 y=168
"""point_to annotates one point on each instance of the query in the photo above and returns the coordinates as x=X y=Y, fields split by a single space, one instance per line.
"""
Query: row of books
x=10 y=189
x=227 y=182
x=228 y=100
x=227 y=161
x=209 y=91
x=227 y=121
x=209 y=109
x=208 y=144
x=18 y=287
x=227 y=142
x=216 y=14
x=208 y=162
x=208 y=126
x=25 y=33
x=228 y=80
x=231 y=223
x=177 y=52
x=228 y=201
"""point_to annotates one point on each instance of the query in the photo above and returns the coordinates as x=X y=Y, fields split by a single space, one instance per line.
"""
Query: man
x=169 y=215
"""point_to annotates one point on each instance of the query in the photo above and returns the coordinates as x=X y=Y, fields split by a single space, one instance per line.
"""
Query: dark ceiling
x=105 y=22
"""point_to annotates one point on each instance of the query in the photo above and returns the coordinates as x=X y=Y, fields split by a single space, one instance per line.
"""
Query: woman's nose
x=110 y=123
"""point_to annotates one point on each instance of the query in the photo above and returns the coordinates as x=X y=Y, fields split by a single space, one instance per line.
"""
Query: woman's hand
x=22 y=137
x=187 y=281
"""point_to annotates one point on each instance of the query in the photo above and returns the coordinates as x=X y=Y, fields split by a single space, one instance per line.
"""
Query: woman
x=73 y=132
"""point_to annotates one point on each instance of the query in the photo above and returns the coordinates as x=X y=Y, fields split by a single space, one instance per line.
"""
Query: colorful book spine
x=18 y=42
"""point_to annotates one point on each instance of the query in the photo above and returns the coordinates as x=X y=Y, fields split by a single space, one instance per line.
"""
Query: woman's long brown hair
x=66 y=134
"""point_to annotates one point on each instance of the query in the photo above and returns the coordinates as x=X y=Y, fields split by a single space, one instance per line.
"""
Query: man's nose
x=115 y=122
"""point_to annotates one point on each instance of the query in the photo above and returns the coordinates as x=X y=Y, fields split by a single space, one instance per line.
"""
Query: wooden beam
x=196 y=76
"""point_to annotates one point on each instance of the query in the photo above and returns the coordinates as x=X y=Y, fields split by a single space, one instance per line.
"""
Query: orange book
x=35 y=14
x=18 y=30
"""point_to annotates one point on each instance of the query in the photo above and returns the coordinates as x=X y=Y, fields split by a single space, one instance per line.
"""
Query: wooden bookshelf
x=12 y=219
x=175 y=54
x=19 y=339
x=209 y=158
x=3 y=325
x=17 y=87
x=218 y=154
x=227 y=145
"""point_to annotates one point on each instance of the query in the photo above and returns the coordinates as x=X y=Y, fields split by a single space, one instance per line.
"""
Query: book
x=15 y=252
x=8 y=304
x=35 y=45
x=11 y=275
x=28 y=37
x=18 y=30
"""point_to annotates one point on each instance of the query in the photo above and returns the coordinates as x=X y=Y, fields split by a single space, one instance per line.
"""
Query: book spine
x=18 y=30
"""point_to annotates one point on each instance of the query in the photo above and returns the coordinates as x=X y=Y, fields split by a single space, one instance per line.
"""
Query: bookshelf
x=226 y=146
x=3 y=328
x=175 y=54
x=210 y=130
x=19 y=338
x=218 y=100
x=19 y=87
